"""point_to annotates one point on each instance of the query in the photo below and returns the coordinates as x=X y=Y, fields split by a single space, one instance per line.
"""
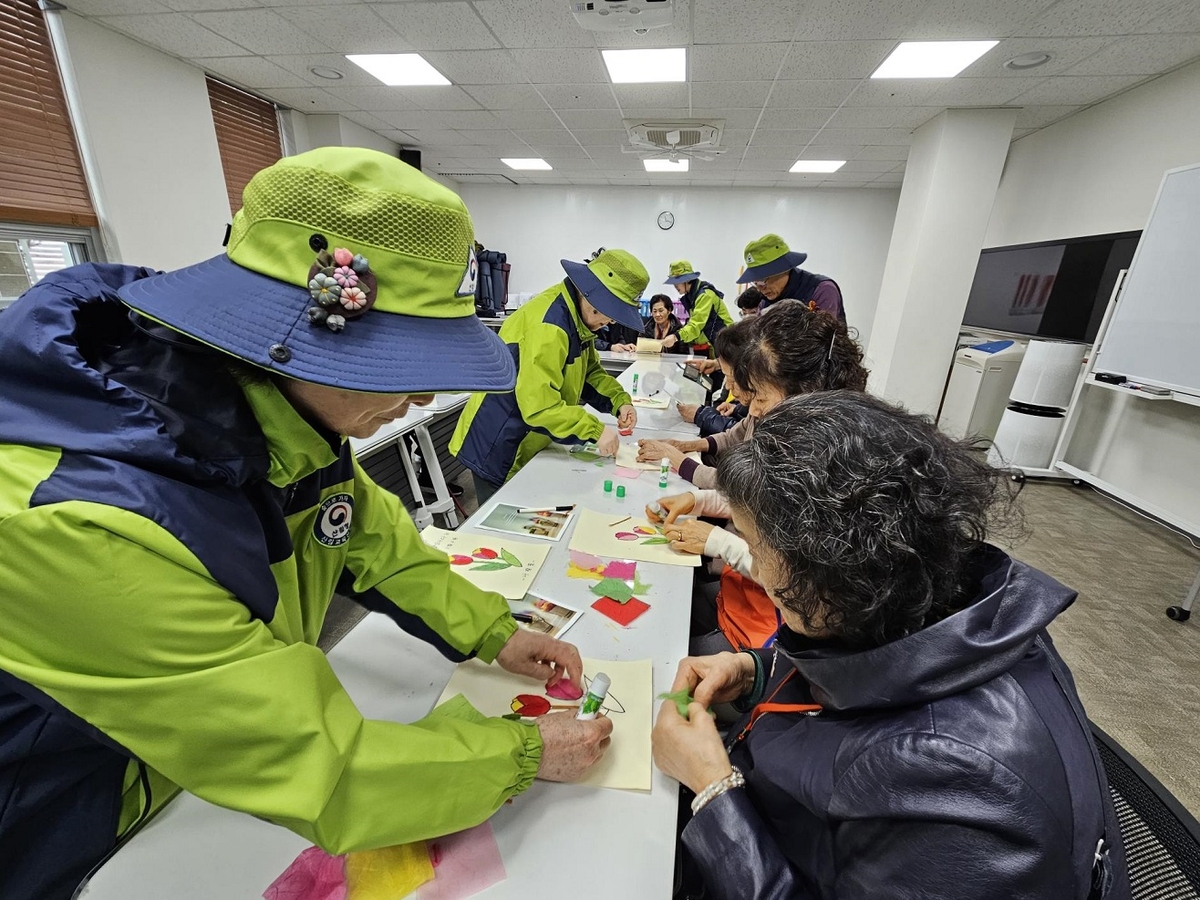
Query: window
x=29 y=253
x=247 y=135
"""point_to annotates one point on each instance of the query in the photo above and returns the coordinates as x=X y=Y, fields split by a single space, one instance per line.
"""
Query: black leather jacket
x=949 y=764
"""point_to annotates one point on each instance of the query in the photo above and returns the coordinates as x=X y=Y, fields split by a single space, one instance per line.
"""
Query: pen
x=524 y=617
x=529 y=509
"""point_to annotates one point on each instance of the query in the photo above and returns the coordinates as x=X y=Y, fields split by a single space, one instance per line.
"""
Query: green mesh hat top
x=346 y=268
x=612 y=281
x=681 y=272
x=768 y=256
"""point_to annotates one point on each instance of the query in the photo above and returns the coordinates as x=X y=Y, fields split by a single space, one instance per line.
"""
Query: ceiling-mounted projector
x=623 y=15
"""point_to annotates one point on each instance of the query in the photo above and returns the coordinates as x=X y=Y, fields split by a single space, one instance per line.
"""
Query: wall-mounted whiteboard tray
x=1121 y=389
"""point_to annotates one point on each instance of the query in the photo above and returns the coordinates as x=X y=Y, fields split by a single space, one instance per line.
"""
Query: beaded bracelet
x=734 y=779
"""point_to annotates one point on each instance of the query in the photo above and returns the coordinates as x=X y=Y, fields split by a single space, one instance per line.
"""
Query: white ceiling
x=789 y=77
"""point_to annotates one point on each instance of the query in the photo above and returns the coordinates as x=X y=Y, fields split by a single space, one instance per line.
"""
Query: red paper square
x=621 y=613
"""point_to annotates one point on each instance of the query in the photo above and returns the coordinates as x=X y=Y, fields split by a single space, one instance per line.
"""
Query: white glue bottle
x=664 y=469
x=594 y=698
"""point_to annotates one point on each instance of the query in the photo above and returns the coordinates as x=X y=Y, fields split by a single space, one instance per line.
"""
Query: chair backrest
x=1161 y=838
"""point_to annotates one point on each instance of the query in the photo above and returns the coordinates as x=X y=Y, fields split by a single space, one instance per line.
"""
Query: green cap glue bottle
x=594 y=698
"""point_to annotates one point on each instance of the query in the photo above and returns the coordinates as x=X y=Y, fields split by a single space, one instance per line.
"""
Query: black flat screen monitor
x=1053 y=289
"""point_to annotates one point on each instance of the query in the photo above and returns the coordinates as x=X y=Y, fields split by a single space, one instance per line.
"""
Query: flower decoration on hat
x=341 y=283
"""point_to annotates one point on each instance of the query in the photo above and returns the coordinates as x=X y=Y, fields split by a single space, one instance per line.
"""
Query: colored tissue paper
x=313 y=875
x=681 y=698
x=585 y=565
x=564 y=690
x=614 y=589
x=623 y=472
x=388 y=873
x=621 y=613
x=463 y=864
x=624 y=569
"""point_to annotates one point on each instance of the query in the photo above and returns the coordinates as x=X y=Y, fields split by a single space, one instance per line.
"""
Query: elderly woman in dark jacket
x=662 y=322
x=914 y=734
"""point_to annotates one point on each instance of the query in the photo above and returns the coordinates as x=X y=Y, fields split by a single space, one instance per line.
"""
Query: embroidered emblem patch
x=332 y=527
x=749 y=259
x=467 y=288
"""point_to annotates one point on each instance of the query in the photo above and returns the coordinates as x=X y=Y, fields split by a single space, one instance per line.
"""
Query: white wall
x=149 y=144
x=1099 y=170
x=845 y=232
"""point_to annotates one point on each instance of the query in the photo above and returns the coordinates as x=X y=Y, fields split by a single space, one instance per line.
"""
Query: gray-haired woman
x=913 y=733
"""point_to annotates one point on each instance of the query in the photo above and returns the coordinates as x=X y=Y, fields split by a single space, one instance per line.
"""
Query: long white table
x=193 y=849
x=661 y=420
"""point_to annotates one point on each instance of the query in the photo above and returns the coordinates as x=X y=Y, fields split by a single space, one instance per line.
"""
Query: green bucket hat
x=612 y=281
x=345 y=267
x=681 y=272
x=768 y=256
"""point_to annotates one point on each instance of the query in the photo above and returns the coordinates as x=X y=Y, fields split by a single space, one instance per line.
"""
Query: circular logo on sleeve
x=332 y=527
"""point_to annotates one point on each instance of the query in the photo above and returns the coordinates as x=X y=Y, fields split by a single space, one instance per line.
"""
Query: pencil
x=619 y=521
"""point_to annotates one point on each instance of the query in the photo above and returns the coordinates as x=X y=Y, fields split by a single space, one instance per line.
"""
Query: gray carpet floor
x=1137 y=671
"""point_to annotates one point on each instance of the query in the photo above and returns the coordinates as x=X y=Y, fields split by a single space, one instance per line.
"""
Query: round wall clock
x=665 y=220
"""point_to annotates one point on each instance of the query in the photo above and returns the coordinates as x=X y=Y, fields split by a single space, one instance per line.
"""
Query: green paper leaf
x=681 y=699
x=613 y=588
x=490 y=567
x=639 y=586
x=512 y=717
x=509 y=558
x=656 y=540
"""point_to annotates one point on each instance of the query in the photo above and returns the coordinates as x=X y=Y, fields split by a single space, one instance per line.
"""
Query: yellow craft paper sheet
x=596 y=533
x=649 y=345
x=626 y=765
x=627 y=458
x=486 y=560
x=388 y=873
x=659 y=401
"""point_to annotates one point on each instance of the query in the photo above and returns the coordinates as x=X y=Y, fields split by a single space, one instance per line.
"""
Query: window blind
x=41 y=178
x=247 y=135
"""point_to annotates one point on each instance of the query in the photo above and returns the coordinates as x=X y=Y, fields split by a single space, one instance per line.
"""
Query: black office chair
x=1161 y=838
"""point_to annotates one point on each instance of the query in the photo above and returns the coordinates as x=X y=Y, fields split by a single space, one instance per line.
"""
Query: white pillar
x=950 y=182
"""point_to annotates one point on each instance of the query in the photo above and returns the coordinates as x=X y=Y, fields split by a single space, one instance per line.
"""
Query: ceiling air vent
x=676 y=136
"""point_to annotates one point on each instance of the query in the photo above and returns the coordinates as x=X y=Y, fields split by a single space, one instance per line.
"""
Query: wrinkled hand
x=687 y=411
x=609 y=442
x=627 y=416
x=625 y=348
x=542 y=657
x=689 y=535
x=669 y=341
x=672 y=508
x=569 y=746
x=689 y=750
x=707 y=366
x=655 y=451
x=719 y=678
x=726 y=409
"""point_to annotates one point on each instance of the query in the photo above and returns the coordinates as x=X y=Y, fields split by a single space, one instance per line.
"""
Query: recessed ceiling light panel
x=535 y=163
x=931 y=59
x=646 y=66
x=665 y=165
x=399 y=69
x=817 y=165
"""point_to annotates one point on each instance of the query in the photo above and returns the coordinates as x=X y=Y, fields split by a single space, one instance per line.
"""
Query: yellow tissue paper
x=388 y=873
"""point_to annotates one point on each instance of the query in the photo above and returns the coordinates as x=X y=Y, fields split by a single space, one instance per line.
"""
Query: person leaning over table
x=551 y=341
x=726 y=414
x=775 y=270
x=179 y=502
x=707 y=314
x=663 y=323
x=913 y=733
x=790 y=350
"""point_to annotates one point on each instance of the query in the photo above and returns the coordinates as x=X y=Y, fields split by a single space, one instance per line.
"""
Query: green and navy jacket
x=170 y=539
x=707 y=314
x=558 y=369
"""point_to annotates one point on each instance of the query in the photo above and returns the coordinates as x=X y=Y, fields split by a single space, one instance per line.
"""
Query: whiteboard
x=1154 y=336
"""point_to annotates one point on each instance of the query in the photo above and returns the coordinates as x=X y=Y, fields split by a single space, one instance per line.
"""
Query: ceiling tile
x=372 y=98
x=862 y=117
x=845 y=176
x=251 y=72
x=441 y=97
x=438 y=26
x=470 y=120
x=592 y=119
x=882 y=153
x=200 y=5
x=785 y=119
x=176 y=34
x=1183 y=18
x=862 y=136
x=533 y=23
x=778 y=165
x=1141 y=55
x=880 y=185
x=1064 y=53
x=431 y=136
x=739 y=95
x=976 y=91
x=528 y=118
x=914 y=116
x=736 y=138
x=346 y=28
x=557 y=66
x=578 y=96
x=830 y=151
x=476 y=66
x=734 y=118
x=598 y=137
x=1041 y=116
x=366 y=120
x=423 y=119
x=1019 y=133
x=651 y=95
x=506 y=96
x=88 y=8
x=1066 y=89
x=301 y=63
x=889 y=178
x=805 y=94
x=307 y=100
x=826 y=60
x=400 y=137
x=875 y=166
x=795 y=139
x=260 y=30
x=836 y=20
x=971 y=19
x=550 y=138
x=736 y=62
x=764 y=21
x=497 y=137
x=893 y=92
x=1076 y=18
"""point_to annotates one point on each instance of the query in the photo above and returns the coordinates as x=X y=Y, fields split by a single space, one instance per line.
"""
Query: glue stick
x=664 y=469
x=594 y=698
x=635 y=382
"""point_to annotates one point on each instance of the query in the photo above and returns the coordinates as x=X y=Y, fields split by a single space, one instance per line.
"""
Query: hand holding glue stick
x=593 y=700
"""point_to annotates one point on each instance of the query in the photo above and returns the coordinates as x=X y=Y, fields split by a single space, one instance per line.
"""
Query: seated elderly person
x=913 y=733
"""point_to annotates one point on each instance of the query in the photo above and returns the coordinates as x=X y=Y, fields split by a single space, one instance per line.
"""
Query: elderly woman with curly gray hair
x=913 y=733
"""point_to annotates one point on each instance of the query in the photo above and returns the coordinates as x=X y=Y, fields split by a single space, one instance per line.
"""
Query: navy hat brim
x=789 y=260
x=245 y=314
x=682 y=279
x=599 y=296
